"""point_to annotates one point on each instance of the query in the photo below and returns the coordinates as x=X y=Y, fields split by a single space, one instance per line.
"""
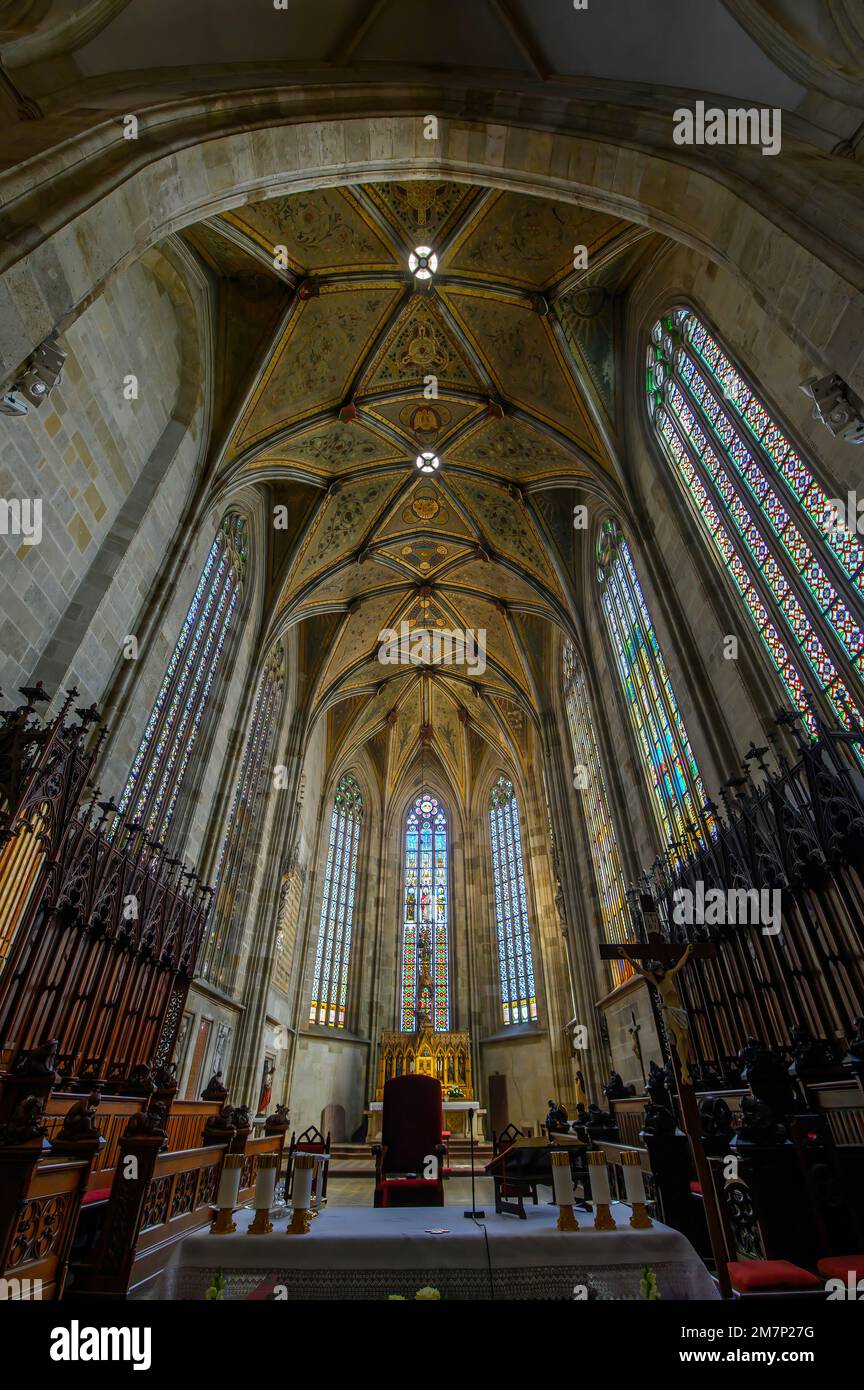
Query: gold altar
x=445 y=1055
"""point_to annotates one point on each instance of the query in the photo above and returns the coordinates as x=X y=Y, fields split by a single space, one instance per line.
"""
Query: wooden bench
x=34 y=1263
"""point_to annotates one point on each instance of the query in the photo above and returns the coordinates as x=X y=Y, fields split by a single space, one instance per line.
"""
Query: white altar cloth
x=361 y=1253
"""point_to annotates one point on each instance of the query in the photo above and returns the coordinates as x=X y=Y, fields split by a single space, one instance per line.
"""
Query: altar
x=363 y=1253
x=455 y=1119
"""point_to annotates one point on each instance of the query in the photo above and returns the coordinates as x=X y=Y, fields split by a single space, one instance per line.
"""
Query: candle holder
x=226 y=1198
x=301 y=1216
x=562 y=1184
x=600 y=1194
x=265 y=1187
x=634 y=1184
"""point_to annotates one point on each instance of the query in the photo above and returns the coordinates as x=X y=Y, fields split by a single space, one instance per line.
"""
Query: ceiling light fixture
x=427 y=462
x=423 y=262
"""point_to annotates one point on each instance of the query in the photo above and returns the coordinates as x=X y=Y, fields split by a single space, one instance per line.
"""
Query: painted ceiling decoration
x=503 y=364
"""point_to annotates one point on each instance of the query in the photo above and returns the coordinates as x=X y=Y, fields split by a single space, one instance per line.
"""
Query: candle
x=226 y=1197
x=562 y=1181
x=562 y=1184
x=634 y=1185
x=265 y=1187
x=633 y=1181
x=603 y=1219
x=301 y=1194
x=599 y=1178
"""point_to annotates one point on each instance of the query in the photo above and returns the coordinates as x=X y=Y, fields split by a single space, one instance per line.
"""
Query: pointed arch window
x=515 y=961
x=229 y=875
x=765 y=516
x=425 y=985
x=670 y=767
x=161 y=762
x=601 y=831
x=333 y=952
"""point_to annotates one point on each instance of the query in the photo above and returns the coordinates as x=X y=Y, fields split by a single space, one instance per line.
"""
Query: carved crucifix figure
x=672 y=1007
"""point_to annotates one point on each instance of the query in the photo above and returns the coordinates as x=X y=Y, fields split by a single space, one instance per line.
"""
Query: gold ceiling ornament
x=423 y=349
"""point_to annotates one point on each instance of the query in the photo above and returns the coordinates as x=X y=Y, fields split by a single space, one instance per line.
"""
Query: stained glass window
x=333 y=952
x=217 y=960
x=588 y=773
x=770 y=523
x=518 y=993
x=670 y=767
x=160 y=764
x=425 y=990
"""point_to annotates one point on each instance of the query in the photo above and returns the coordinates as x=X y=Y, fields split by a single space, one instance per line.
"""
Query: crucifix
x=658 y=962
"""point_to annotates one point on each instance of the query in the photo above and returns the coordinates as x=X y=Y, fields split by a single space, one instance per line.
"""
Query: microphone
x=473 y=1214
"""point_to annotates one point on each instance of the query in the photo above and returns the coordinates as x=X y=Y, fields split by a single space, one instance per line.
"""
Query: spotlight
x=423 y=262
x=427 y=462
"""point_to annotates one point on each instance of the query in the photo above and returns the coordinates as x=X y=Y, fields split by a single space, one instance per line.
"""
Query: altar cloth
x=363 y=1253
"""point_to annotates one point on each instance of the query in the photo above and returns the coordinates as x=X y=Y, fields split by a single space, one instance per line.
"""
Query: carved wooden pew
x=35 y=1254
x=157 y=1197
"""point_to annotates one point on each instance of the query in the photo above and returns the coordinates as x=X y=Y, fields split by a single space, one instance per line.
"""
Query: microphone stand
x=473 y=1214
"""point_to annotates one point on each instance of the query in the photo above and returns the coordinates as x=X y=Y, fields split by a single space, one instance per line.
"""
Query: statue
x=855 y=1056
x=266 y=1085
x=278 y=1121
x=810 y=1054
x=220 y=1128
x=241 y=1117
x=659 y=1121
x=140 y=1081
x=39 y=1061
x=150 y=1124
x=716 y=1118
x=27 y=1126
x=615 y=1088
x=79 y=1130
x=657 y=1085
x=165 y=1080
x=671 y=1004
x=214 y=1090
x=556 y=1119
x=766 y=1075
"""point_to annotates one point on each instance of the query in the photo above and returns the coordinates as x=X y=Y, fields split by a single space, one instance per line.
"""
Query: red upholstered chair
x=411 y=1133
x=841 y=1266
x=751 y=1278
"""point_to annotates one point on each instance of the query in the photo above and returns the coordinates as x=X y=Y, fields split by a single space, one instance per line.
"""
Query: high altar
x=427 y=1053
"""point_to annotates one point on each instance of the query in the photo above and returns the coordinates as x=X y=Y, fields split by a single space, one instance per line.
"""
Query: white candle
x=562 y=1181
x=634 y=1184
x=229 y=1182
x=265 y=1184
x=302 y=1189
x=599 y=1182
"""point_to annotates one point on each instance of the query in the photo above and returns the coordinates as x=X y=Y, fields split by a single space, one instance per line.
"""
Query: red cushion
x=697 y=1188
x=748 y=1276
x=839 y=1266
x=409 y=1192
x=96 y=1194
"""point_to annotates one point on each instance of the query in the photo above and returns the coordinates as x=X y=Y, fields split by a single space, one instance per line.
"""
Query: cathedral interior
x=431 y=636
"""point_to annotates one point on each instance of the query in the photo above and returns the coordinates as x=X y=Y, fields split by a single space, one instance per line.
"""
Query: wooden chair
x=508 y=1188
x=34 y=1256
x=311 y=1141
x=411 y=1133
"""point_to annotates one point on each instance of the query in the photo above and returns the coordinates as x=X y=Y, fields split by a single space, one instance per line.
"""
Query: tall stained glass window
x=425 y=992
x=518 y=993
x=768 y=520
x=670 y=767
x=601 y=832
x=217 y=963
x=160 y=764
x=333 y=952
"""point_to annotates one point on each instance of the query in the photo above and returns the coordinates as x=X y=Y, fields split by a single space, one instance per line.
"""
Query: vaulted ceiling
x=337 y=368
